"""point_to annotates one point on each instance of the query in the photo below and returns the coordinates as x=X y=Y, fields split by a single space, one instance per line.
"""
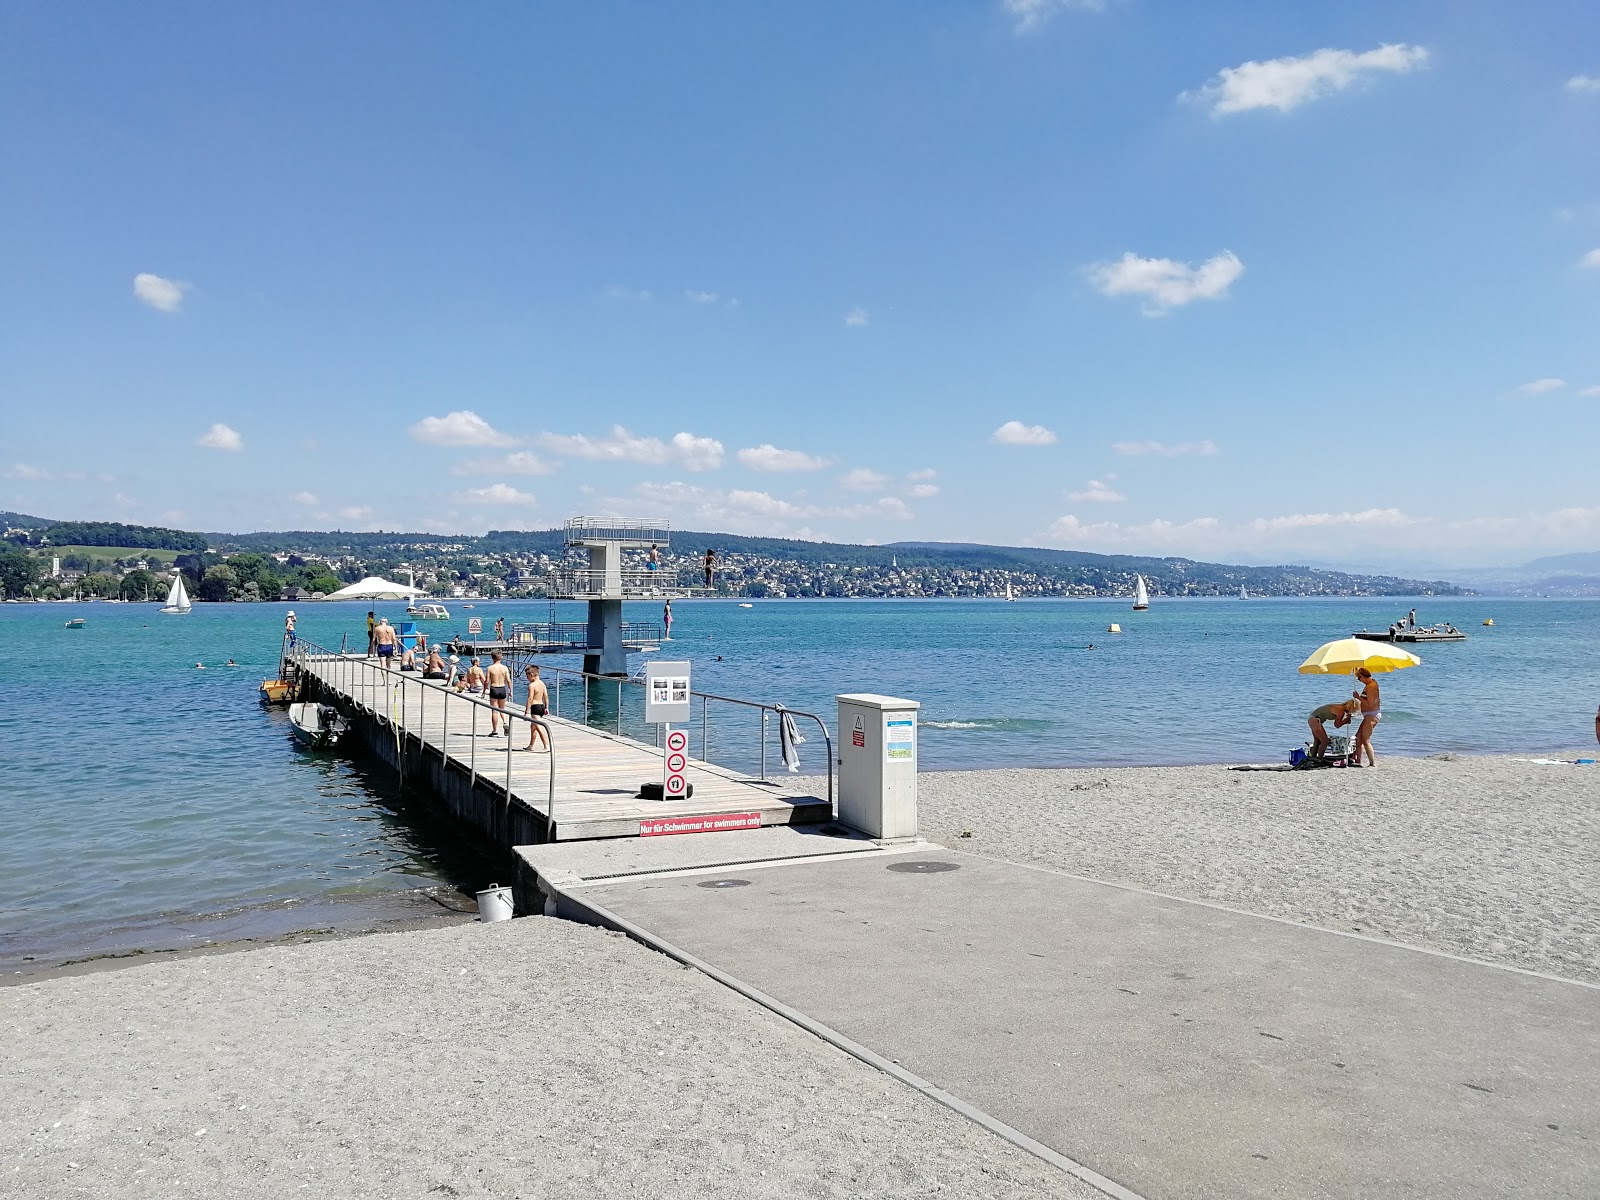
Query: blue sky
x=1236 y=280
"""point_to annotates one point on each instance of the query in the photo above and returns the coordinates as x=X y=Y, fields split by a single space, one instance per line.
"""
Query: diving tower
x=606 y=582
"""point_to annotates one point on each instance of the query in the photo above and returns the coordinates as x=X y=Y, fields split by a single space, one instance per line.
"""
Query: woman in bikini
x=1371 y=714
x=1339 y=714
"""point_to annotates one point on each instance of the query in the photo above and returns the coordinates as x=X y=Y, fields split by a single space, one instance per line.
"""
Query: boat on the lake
x=428 y=612
x=319 y=726
x=1243 y=595
x=177 y=598
x=75 y=623
x=1141 y=595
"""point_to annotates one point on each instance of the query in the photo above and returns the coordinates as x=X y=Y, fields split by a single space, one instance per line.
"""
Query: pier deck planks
x=597 y=774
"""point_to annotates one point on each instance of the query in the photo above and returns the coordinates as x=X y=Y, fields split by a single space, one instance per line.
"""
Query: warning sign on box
x=709 y=823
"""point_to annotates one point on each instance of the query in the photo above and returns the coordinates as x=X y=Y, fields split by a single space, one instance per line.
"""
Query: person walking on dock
x=498 y=679
x=538 y=706
x=384 y=641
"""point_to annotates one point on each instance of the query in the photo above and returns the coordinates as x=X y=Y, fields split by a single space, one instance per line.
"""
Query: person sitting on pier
x=433 y=668
x=538 y=706
x=498 y=680
x=1340 y=714
x=474 y=677
x=385 y=640
x=408 y=658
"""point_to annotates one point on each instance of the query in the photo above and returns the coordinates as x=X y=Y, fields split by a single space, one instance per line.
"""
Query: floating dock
x=1410 y=635
x=587 y=788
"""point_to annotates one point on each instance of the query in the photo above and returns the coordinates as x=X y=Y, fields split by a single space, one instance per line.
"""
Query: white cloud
x=744 y=510
x=518 y=462
x=628 y=295
x=695 y=453
x=1584 y=83
x=164 y=295
x=1015 y=433
x=357 y=512
x=1032 y=15
x=309 y=499
x=1590 y=260
x=925 y=474
x=26 y=471
x=860 y=479
x=1204 y=449
x=1590 y=391
x=1539 y=387
x=1096 y=492
x=220 y=437
x=695 y=297
x=497 y=493
x=767 y=457
x=1287 y=83
x=923 y=491
x=858 y=318
x=1166 y=283
x=464 y=428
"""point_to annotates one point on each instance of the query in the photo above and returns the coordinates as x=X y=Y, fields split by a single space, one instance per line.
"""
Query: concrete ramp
x=1178 y=1049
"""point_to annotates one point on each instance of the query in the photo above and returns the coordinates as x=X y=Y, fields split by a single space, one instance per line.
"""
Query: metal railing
x=583 y=582
x=619 y=720
x=582 y=530
x=364 y=683
x=573 y=635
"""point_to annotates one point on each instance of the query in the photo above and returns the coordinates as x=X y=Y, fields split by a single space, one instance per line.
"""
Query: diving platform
x=1420 y=634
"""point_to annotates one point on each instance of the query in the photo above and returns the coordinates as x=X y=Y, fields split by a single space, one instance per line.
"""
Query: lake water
x=151 y=803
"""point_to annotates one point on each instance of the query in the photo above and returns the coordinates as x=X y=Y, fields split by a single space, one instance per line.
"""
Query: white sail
x=177 y=598
x=1243 y=595
x=1009 y=594
x=1141 y=597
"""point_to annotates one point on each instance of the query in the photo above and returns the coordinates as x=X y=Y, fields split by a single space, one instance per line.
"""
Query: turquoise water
x=142 y=791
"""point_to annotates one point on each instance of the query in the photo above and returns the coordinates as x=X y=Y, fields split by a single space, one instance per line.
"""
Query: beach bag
x=1297 y=756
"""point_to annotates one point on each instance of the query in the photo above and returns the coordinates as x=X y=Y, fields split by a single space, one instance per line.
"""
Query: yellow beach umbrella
x=1347 y=654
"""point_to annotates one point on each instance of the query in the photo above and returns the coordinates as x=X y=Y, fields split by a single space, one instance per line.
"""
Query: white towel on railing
x=789 y=738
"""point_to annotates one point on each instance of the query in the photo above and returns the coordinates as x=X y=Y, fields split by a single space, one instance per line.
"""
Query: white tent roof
x=375 y=588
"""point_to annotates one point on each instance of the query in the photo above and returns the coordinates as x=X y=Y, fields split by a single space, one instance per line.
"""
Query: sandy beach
x=1485 y=857
x=542 y=1058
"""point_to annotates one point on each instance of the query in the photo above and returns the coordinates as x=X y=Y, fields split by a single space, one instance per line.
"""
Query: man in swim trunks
x=1339 y=714
x=498 y=680
x=384 y=639
x=538 y=705
x=434 y=667
x=1371 y=714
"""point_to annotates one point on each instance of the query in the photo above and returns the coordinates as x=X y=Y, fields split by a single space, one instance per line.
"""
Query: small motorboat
x=276 y=691
x=75 y=623
x=319 y=726
x=428 y=612
x=747 y=606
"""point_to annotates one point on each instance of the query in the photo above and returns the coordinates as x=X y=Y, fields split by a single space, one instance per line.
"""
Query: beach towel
x=788 y=739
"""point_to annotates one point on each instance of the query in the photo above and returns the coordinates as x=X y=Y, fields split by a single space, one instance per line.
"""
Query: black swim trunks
x=498 y=693
x=538 y=710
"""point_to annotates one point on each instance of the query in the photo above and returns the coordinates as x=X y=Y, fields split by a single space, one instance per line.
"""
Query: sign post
x=666 y=700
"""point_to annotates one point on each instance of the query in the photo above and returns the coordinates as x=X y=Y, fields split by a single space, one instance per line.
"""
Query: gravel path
x=1485 y=857
x=529 y=1058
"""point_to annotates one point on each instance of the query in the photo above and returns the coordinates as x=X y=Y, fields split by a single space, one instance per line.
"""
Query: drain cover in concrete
x=924 y=868
x=725 y=883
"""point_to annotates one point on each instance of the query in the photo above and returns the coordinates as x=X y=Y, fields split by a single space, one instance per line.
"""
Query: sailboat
x=177 y=599
x=1141 y=597
x=1010 y=595
x=1243 y=595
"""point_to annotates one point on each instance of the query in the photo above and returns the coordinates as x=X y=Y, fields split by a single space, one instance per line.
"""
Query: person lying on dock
x=1340 y=714
x=538 y=705
x=433 y=668
x=498 y=680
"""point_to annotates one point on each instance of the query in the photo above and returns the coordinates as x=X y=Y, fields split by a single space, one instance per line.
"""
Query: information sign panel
x=666 y=693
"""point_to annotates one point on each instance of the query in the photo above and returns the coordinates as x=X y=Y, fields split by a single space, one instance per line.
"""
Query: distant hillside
x=1586 y=564
x=104 y=533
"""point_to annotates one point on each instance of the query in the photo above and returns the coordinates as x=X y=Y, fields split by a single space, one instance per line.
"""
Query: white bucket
x=494 y=904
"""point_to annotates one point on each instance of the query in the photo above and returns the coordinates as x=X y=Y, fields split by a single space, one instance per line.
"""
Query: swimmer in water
x=199 y=666
x=231 y=663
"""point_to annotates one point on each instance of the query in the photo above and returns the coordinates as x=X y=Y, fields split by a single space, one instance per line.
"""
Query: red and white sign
x=858 y=735
x=709 y=823
x=677 y=740
x=674 y=767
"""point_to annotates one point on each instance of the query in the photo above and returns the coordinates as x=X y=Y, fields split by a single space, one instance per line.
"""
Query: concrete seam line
x=1240 y=912
x=749 y=864
x=871 y=1057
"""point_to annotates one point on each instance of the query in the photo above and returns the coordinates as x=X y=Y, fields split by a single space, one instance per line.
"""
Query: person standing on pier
x=288 y=628
x=538 y=706
x=499 y=629
x=498 y=680
x=372 y=626
x=384 y=641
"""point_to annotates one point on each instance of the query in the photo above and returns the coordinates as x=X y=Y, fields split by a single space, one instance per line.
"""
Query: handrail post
x=763 y=744
x=444 y=738
x=705 y=703
x=473 y=753
x=619 y=708
x=509 y=715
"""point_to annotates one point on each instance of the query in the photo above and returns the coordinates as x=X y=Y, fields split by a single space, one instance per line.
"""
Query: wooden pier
x=588 y=787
